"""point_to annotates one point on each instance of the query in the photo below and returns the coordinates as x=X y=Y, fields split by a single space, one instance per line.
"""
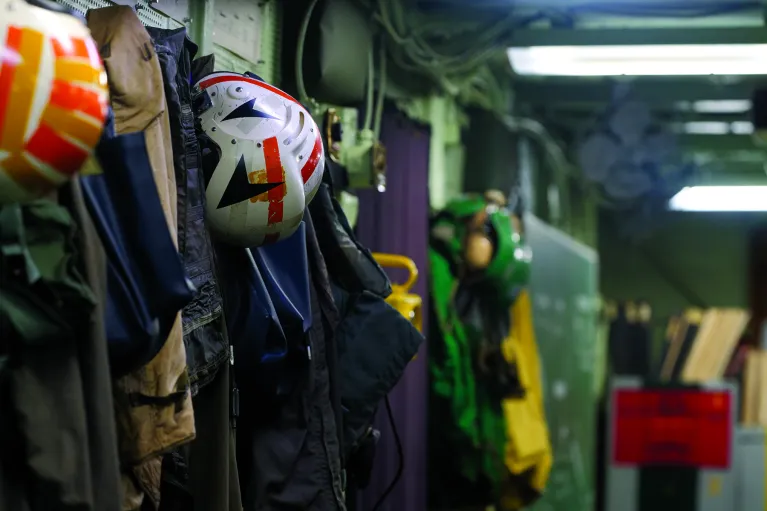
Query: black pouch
x=375 y=345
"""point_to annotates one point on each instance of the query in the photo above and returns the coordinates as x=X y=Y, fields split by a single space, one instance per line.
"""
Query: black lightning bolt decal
x=247 y=110
x=241 y=189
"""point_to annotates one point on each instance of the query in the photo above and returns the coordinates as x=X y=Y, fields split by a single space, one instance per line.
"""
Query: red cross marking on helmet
x=274 y=174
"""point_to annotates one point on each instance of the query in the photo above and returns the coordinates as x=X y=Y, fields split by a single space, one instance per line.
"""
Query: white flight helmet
x=270 y=159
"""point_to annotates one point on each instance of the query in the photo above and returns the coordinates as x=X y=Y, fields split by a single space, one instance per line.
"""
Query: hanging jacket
x=289 y=452
x=496 y=425
x=267 y=312
x=528 y=454
x=487 y=325
x=57 y=439
x=375 y=343
x=153 y=402
x=350 y=264
x=96 y=374
x=454 y=415
x=204 y=330
x=253 y=324
x=163 y=417
x=465 y=390
x=136 y=92
x=147 y=288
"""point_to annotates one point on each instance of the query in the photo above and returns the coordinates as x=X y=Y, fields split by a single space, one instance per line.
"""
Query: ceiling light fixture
x=640 y=60
x=742 y=128
x=706 y=128
x=720 y=198
x=722 y=106
x=713 y=128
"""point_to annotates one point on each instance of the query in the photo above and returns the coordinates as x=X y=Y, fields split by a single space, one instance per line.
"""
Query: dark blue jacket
x=204 y=329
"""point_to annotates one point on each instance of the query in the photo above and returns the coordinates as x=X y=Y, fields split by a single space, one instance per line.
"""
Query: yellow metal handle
x=399 y=261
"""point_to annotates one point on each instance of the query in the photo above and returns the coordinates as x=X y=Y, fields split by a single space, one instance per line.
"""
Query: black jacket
x=374 y=342
x=206 y=344
x=289 y=452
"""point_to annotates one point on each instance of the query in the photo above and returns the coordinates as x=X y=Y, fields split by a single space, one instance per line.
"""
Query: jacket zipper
x=335 y=479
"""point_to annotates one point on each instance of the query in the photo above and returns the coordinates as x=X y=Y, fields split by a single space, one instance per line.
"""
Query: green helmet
x=509 y=267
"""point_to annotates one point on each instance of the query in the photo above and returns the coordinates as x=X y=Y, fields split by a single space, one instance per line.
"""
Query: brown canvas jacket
x=146 y=427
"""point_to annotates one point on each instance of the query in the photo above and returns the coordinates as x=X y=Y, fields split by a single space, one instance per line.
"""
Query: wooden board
x=718 y=336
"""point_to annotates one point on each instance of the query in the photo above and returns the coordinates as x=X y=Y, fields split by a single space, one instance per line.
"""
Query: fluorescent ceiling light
x=742 y=128
x=715 y=106
x=713 y=128
x=723 y=106
x=720 y=198
x=640 y=60
x=706 y=128
x=733 y=156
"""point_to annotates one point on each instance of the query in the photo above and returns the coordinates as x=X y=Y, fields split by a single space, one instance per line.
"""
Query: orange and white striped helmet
x=53 y=99
x=269 y=159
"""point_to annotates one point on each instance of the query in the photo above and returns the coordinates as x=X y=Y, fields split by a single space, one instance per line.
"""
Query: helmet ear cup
x=479 y=245
x=496 y=197
x=479 y=251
